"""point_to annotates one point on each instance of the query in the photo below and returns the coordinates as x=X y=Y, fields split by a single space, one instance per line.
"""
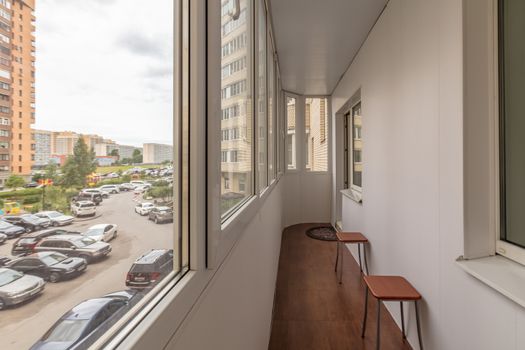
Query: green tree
x=14 y=181
x=114 y=153
x=51 y=171
x=79 y=165
x=37 y=177
x=137 y=156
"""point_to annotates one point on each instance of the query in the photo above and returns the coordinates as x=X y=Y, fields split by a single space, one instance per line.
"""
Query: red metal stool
x=350 y=238
x=391 y=288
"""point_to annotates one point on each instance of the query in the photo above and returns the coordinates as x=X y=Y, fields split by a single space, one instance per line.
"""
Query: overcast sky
x=105 y=67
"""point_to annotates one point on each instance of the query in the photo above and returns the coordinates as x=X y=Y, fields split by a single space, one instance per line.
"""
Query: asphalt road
x=22 y=325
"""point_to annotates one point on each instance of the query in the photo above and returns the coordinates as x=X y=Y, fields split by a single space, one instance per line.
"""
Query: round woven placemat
x=322 y=233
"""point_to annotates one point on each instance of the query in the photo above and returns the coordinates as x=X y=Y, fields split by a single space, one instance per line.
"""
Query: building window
x=512 y=126
x=316 y=147
x=262 y=120
x=291 y=154
x=236 y=102
x=354 y=148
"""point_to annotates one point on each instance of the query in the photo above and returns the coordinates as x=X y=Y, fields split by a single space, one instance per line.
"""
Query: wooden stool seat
x=351 y=237
x=391 y=288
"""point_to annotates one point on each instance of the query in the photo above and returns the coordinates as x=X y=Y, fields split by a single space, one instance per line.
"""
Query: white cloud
x=105 y=67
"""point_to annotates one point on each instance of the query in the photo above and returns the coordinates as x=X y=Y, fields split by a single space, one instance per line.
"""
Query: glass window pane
x=357 y=146
x=512 y=106
x=271 y=116
x=95 y=155
x=236 y=116
x=291 y=154
x=316 y=134
x=262 y=123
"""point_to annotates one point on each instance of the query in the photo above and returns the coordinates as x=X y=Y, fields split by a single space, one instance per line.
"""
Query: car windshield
x=4 y=225
x=7 y=276
x=54 y=214
x=84 y=242
x=53 y=259
x=95 y=231
x=66 y=331
x=27 y=241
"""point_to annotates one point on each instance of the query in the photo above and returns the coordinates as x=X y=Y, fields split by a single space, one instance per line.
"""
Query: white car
x=140 y=189
x=84 y=208
x=144 y=208
x=137 y=183
x=102 y=232
x=104 y=194
x=110 y=188
x=56 y=218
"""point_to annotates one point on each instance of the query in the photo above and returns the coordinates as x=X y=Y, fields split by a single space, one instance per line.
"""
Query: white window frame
x=328 y=134
x=352 y=186
x=504 y=248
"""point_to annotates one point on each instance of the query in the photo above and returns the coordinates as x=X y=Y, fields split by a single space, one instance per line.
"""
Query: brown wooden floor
x=313 y=311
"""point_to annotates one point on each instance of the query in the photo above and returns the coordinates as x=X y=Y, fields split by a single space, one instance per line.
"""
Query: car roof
x=146 y=203
x=163 y=208
x=151 y=256
x=87 y=309
x=98 y=226
x=41 y=233
x=63 y=237
x=49 y=212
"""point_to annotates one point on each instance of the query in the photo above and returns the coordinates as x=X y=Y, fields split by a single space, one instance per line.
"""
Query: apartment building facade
x=23 y=86
x=43 y=141
x=155 y=153
x=236 y=116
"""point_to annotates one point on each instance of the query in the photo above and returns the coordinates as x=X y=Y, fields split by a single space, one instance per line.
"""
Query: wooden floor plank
x=313 y=311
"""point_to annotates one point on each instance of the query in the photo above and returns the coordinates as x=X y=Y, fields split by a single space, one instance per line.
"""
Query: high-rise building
x=155 y=153
x=22 y=84
x=43 y=144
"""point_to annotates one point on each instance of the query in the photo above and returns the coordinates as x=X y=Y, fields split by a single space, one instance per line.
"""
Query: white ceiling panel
x=317 y=39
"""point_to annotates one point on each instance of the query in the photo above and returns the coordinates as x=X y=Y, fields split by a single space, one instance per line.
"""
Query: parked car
x=140 y=189
x=26 y=244
x=74 y=246
x=110 y=188
x=56 y=218
x=51 y=266
x=137 y=183
x=29 y=222
x=3 y=238
x=4 y=260
x=150 y=268
x=102 y=232
x=127 y=186
x=15 y=287
x=104 y=194
x=10 y=230
x=144 y=208
x=82 y=322
x=31 y=185
x=84 y=196
x=84 y=208
x=161 y=214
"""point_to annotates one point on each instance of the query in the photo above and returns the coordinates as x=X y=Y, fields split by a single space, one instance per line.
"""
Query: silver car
x=3 y=238
x=15 y=287
x=56 y=218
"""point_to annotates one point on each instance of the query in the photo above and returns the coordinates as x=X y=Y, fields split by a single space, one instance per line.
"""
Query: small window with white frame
x=354 y=149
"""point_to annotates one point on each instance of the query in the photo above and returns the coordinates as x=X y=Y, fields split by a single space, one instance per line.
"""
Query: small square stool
x=350 y=238
x=391 y=288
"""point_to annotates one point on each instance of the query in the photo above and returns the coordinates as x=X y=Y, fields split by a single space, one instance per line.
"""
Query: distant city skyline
x=105 y=67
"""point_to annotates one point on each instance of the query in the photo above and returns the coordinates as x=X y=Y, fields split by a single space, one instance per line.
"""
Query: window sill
x=502 y=274
x=353 y=195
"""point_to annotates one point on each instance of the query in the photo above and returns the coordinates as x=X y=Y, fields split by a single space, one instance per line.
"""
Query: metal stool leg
x=418 y=327
x=402 y=320
x=363 y=329
x=337 y=256
x=378 y=335
x=366 y=263
x=359 y=254
x=342 y=264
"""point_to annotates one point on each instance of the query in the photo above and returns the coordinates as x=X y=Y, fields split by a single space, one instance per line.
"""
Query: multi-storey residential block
x=22 y=83
x=155 y=153
x=42 y=140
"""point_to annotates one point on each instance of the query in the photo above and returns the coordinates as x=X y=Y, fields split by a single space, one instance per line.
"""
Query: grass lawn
x=116 y=168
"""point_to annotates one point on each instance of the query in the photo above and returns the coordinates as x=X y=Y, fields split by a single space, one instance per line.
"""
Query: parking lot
x=22 y=325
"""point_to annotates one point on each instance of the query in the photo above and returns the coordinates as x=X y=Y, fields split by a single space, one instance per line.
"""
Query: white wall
x=410 y=73
x=235 y=310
